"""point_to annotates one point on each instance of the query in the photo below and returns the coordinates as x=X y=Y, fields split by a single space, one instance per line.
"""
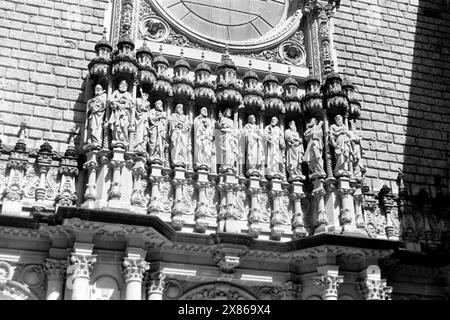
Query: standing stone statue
x=157 y=133
x=356 y=154
x=141 y=118
x=203 y=140
x=275 y=148
x=294 y=152
x=340 y=140
x=95 y=111
x=313 y=153
x=255 y=146
x=121 y=103
x=179 y=133
x=229 y=141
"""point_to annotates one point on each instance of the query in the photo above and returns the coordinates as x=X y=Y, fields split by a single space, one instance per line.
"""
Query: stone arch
x=13 y=290
x=105 y=287
x=314 y=297
x=217 y=291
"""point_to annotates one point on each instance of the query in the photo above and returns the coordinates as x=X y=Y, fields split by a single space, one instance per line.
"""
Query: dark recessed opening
x=432 y=13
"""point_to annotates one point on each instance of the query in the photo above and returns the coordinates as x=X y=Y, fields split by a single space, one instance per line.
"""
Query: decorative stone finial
x=250 y=64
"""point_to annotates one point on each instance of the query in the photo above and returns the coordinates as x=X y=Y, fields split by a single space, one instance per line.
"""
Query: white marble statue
x=96 y=107
x=340 y=140
x=228 y=141
x=203 y=140
x=157 y=133
x=313 y=153
x=254 y=146
x=275 y=148
x=121 y=103
x=141 y=122
x=294 y=152
x=179 y=136
x=356 y=154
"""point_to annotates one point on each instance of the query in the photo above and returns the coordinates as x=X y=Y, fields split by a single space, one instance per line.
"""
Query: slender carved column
x=17 y=164
x=233 y=214
x=222 y=206
x=116 y=163
x=138 y=200
x=276 y=221
x=388 y=205
x=44 y=161
x=56 y=271
x=90 y=193
x=156 y=288
x=347 y=205
x=201 y=212
x=103 y=178
x=373 y=287
x=321 y=221
x=329 y=281
x=80 y=267
x=255 y=214
x=297 y=195
x=126 y=179
x=156 y=206
x=134 y=270
x=359 y=217
x=68 y=170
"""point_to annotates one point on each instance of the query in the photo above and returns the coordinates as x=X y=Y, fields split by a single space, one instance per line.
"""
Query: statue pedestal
x=332 y=206
x=281 y=229
x=115 y=193
x=320 y=220
x=104 y=180
x=347 y=206
x=156 y=206
x=232 y=223
x=90 y=194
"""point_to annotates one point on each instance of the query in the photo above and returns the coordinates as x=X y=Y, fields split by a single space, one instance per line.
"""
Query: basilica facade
x=222 y=150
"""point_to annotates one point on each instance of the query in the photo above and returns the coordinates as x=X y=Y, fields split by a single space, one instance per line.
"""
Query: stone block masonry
x=45 y=49
x=398 y=53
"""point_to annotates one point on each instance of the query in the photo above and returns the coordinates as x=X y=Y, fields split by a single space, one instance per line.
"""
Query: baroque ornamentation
x=134 y=269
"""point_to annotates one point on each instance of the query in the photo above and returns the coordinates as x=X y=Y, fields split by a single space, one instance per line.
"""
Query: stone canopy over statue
x=121 y=103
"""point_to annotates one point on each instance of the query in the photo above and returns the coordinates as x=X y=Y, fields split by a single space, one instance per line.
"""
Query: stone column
x=222 y=206
x=347 y=205
x=155 y=206
x=56 y=271
x=255 y=214
x=233 y=221
x=134 y=269
x=91 y=166
x=329 y=281
x=321 y=221
x=358 y=197
x=298 y=223
x=138 y=199
x=81 y=266
x=13 y=193
x=372 y=287
x=117 y=163
x=276 y=221
x=156 y=288
x=201 y=213
x=103 y=180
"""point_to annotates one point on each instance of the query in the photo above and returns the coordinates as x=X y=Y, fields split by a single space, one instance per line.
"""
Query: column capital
x=372 y=287
x=55 y=269
x=81 y=265
x=134 y=269
x=157 y=282
x=329 y=281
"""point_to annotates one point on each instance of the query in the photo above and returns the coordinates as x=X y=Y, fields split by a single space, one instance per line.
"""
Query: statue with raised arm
x=340 y=140
x=96 y=108
x=121 y=103
x=314 y=149
x=203 y=140
x=294 y=152
x=275 y=148
x=179 y=136
x=228 y=141
x=254 y=146
x=141 y=122
x=157 y=133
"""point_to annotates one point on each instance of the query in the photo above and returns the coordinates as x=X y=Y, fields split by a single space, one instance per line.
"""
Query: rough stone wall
x=45 y=46
x=398 y=54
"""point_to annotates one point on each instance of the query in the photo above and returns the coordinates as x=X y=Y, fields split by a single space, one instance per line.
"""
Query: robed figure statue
x=340 y=140
x=275 y=148
x=294 y=152
x=96 y=107
x=157 y=133
x=121 y=103
x=314 y=149
x=179 y=133
x=254 y=146
x=228 y=142
x=141 y=122
x=203 y=140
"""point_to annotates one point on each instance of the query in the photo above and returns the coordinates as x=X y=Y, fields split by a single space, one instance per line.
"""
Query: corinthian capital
x=158 y=282
x=81 y=265
x=375 y=289
x=329 y=281
x=55 y=269
x=134 y=269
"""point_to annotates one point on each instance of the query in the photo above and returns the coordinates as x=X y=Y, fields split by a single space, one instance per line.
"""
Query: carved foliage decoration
x=217 y=291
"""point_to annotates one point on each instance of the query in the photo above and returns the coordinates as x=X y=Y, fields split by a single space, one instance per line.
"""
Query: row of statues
x=266 y=149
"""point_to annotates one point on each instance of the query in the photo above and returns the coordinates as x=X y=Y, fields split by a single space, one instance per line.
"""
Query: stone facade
x=144 y=161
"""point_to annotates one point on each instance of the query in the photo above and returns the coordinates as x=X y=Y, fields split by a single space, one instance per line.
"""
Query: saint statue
x=275 y=148
x=294 y=152
x=314 y=149
x=203 y=140
x=179 y=133
x=96 y=107
x=157 y=133
x=141 y=122
x=355 y=150
x=228 y=141
x=340 y=140
x=254 y=146
x=121 y=103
